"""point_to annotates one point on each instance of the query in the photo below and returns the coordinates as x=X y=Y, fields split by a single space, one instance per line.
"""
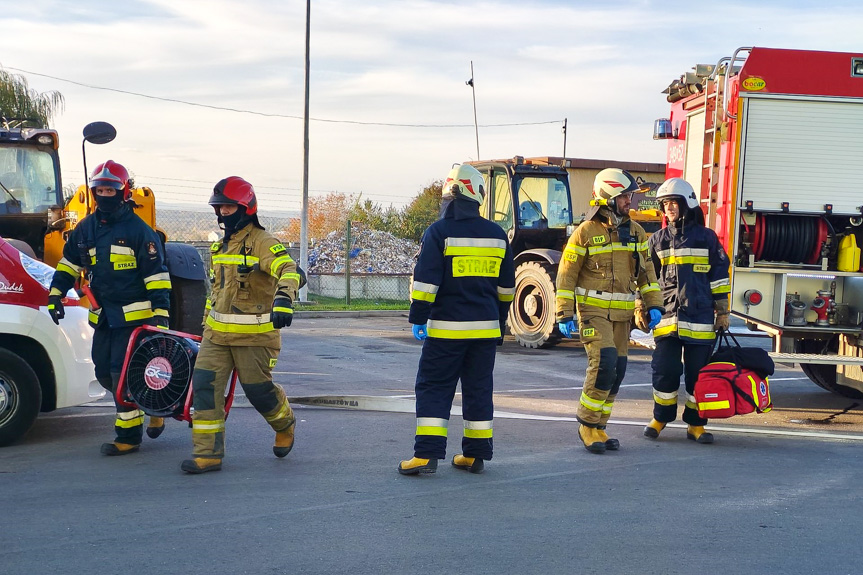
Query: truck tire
x=188 y=299
x=531 y=316
x=20 y=397
x=824 y=375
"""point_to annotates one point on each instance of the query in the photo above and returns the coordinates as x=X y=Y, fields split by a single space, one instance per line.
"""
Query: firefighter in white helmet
x=692 y=268
x=464 y=283
x=603 y=262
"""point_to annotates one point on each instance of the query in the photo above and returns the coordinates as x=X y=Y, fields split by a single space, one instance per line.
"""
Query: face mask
x=231 y=222
x=109 y=204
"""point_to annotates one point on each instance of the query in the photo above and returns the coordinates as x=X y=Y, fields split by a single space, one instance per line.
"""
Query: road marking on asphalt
x=298 y=373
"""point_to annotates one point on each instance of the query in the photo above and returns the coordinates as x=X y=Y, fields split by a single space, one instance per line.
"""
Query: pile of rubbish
x=371 y=251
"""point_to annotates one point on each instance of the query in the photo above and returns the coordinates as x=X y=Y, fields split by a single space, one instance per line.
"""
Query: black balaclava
x=233 y=222
x=459 y=208
x=109 y=204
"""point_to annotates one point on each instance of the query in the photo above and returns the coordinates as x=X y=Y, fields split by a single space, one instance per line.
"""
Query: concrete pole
x=304 y=213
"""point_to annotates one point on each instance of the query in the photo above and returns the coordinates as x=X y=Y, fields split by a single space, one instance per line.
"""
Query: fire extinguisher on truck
x=772 y=140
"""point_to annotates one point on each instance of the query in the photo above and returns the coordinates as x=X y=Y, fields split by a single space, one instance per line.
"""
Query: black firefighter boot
x=592 y=438
x=611 y=444
x=470 y=464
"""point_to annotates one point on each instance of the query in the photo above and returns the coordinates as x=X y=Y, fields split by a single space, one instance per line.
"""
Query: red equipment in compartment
x=161 y=363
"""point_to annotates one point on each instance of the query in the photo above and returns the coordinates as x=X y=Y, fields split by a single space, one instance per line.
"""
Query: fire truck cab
x=773 y=139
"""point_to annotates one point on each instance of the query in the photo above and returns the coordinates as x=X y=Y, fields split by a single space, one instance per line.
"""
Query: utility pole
x=475 y=124
x=564 y=139
x=304 y=213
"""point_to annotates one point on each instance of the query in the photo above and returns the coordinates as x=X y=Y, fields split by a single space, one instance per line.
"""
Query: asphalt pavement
x=776 y=494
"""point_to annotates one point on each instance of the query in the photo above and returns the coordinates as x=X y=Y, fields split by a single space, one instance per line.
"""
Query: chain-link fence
x=194 y=226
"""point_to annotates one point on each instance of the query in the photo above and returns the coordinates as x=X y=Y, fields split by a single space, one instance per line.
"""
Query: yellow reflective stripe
x=208 y=305
x=93 y=316
x=571 y=252
x=286 y=407
x=161 y=312
x=159 y=285
x=691 y=402
x=432 y=426
x=505 y=294
x=137 y=310
x=234 y=260
x=664 y=330
x=566 y=294
x=122 y=258
x=642 y=247
x=590 y=403
x=647 y=288
x=478 y=433
x=600 y=249
x=712 y=405
x=128 y=419
x=683 y=260
x=663 y=398
x=55 y=291
x=239 y=328
x=68 y=267
x=423 y=296
x=283 y=309
x=279 y=262
x=443 y=329
x=290 y=276
x=158 y=281
x=208 y=426
x=606 y=407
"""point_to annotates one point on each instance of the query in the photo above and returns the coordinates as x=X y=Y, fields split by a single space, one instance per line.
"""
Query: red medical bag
x=725 y=389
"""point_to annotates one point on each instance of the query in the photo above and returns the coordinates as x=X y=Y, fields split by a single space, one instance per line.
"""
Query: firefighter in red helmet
x=254 y=282
x=124 y=260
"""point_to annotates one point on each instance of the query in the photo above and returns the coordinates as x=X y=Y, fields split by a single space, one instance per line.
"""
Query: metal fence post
x=348 y=264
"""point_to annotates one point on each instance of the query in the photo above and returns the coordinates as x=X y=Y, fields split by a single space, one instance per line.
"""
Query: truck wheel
x=531 y=316
x=20 y=397
x=188 y=299
x=824 y=375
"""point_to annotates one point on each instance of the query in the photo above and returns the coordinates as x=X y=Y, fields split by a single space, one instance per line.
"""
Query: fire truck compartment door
x=803 y=151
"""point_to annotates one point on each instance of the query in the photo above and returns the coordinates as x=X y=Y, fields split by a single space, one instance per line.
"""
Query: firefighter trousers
x=442 y=363
x=607 y=345
x=109 y=354
x=213 y=367
x=667 y=369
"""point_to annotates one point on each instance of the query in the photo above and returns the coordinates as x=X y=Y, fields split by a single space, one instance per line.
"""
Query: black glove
x=283 y=312
x=55 y=308
x=161 y=321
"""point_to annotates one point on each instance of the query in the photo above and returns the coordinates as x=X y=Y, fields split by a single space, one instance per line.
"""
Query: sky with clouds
x=389 y=105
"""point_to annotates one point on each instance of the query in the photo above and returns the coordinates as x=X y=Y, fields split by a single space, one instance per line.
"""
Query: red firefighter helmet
x=112 y=175
x=236 y=191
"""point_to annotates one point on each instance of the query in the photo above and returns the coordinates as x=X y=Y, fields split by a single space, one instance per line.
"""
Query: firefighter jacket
x=247 y=272
x=125 y=263
x=603 y=265
x=464 y=279
x=693 y=274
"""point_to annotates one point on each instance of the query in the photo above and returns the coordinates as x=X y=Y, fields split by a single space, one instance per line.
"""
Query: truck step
x=794 y=358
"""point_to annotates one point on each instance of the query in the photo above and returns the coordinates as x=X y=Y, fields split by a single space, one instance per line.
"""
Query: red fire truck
x=773 y=139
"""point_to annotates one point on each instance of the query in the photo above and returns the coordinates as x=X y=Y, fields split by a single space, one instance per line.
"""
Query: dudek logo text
x=11 y=288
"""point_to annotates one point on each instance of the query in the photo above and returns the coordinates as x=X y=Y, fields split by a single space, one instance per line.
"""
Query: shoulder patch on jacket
x=596 y=240
x=278 y=249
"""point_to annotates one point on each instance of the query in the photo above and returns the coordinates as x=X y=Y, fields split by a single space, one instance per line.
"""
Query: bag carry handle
x=722 y=336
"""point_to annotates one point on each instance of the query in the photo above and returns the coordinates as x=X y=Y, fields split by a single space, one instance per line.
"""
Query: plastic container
x=849 y=254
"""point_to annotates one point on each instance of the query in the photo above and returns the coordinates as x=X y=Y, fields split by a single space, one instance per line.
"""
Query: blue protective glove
x=567 y=328
x=420 y=331
x=655 y=316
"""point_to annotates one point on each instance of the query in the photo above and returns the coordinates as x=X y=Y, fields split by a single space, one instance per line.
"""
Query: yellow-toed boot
x=201 y=465
x=697 y=434
x=472 y=464
x=653 y=429
x=284 y=441
x=593 y=441
x=416 y=465
x=611 y=444
x=155 y=427
x=119 y=448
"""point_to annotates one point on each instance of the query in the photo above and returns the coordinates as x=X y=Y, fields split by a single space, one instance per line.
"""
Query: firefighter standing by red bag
x=603 y=263
x=254 y=284
x=124 y=260
x=692 y=268
x=463 y=285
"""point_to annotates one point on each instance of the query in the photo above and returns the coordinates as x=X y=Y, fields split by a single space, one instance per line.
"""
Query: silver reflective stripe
x=137 y=306
x=474 y=243
x=122 y=250
x=462 y=325
x=605 y=295
x=683 y=252
x=158 y=277
x=424 y=287
x=477 y=424
x=432 y=422
x=242 y=319
x=665 y=395
x=506 y=291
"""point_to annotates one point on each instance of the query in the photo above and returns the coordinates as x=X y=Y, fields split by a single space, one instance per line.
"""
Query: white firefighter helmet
x=679 y=188
x=465 y=181
x=610 y=183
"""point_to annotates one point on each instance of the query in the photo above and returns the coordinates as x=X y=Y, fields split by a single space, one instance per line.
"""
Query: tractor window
x=29 y=179
x=502 y=212
x=543 y=197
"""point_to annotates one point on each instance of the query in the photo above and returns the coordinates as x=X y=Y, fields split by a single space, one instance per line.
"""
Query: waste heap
x=371 y=251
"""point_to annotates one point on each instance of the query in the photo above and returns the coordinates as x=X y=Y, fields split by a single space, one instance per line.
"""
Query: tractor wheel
x=20 y=397
x=531 y=317
x=824 y=375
